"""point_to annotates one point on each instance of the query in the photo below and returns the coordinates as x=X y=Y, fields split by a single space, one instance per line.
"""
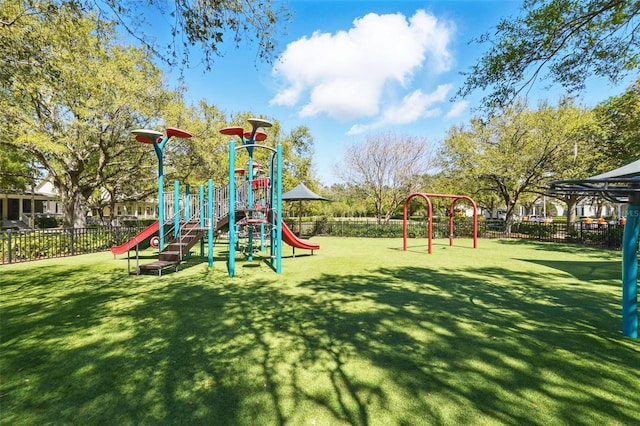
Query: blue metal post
x=232 y=210
x=161 y=211
x=187 y=211
x=158 y=147
x=211 y=221
x=160 y=196
x=279 y=211
x=201 y=213
x=176 y=209
x=187 y=202
x=272 y=212
x=630 y=272
x=250 y=203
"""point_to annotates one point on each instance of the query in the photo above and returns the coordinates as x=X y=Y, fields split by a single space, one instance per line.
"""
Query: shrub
x=542 y=230
x=46 y=222
x=138 y=222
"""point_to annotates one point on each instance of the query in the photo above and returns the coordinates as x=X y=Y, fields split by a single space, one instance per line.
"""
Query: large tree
x=70 y=97
x=386 y=168
x=515 y=154
x=564 y=41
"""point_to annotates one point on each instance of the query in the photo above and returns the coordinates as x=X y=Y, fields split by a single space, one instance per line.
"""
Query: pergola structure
x=621 y=185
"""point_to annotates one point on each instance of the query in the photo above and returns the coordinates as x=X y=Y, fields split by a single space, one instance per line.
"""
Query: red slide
x=143 y=236
x=290 y=238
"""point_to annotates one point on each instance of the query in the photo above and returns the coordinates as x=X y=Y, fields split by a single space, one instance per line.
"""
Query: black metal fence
x=607 y=235
x=26 y=245
x=601 y=235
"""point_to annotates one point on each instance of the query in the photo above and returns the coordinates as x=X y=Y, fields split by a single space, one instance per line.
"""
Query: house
x=544 y=207
x=21 y=209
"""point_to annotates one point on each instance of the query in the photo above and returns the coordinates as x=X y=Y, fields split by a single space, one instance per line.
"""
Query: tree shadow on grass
x=586 y=271
x=403 y=346
x=521 y=332
x=598 y=252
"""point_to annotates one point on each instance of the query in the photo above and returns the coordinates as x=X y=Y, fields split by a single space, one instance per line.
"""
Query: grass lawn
x=360 y=333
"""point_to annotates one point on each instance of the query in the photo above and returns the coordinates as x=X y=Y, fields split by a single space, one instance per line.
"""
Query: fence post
x=71 y=240
x=9 y=244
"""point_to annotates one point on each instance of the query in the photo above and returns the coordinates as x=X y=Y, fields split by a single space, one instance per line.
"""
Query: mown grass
x=360 y=333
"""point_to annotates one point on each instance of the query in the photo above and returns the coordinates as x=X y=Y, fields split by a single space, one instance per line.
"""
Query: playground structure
x=252 y=198
x=427 y=197
x=247 y=208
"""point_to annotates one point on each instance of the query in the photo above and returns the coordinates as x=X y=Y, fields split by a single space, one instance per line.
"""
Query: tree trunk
x=508 y=218
x=571 y=202
x=112 y=212
x=508 y=221
x=74 y=209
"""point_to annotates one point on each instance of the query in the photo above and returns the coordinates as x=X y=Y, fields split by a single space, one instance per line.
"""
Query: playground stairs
x=177 y=249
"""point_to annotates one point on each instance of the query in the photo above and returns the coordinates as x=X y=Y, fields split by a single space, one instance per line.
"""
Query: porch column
x=5 y=207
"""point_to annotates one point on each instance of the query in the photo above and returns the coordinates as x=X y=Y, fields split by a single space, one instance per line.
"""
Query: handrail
x=137 y=258
x=194 y=217
x=221 y=198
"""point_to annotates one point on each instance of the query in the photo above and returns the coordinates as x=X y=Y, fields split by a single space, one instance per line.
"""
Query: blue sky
x=353 y=68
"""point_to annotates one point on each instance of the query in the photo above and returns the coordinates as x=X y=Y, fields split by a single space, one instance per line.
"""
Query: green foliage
x=364 y=229
x=43 y=222
x=139 y=223
x=607 y=237
x=541 y=230
x=34 y=245
x=206 y=155
x=516 y=154
x=619 y=119
x=16 y=171
x=297 y=153
x=562 y=41
x=78 y=106
x=347 y=201
x=462 y=228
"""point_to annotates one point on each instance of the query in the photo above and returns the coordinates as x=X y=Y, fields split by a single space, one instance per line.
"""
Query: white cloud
x=414 y=106
x=347 y=75
x=457 y=109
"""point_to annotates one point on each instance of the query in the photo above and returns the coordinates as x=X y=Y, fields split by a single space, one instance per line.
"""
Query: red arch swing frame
x=427 y=198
